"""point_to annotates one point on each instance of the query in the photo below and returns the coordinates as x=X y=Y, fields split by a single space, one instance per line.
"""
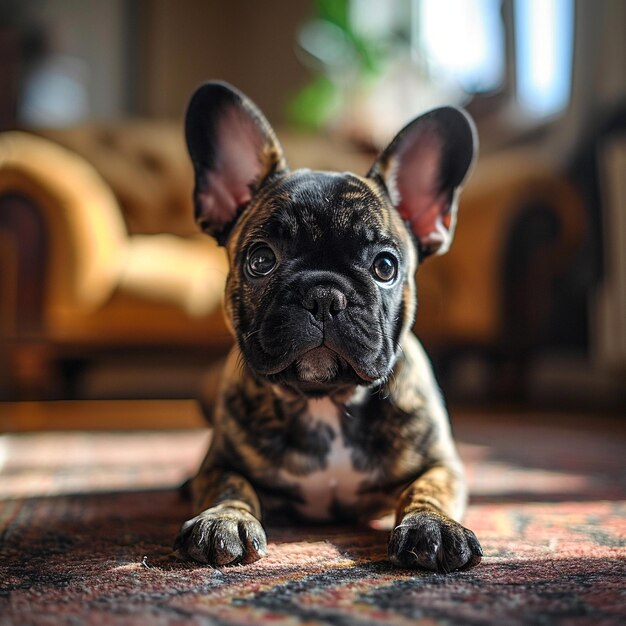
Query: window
x=544 y=37
x=464 y=41
x=452 y=48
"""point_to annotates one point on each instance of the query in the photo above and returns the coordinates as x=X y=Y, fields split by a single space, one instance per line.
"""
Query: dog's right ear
x=233 y=150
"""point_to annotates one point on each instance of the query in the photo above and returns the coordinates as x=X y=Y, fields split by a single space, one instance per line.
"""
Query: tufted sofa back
x=147 y=167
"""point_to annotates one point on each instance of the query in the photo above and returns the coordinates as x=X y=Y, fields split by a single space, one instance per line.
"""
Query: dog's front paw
x=222 y=536
x=434 y=542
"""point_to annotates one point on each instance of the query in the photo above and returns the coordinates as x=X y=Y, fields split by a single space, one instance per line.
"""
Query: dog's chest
x=337 y=483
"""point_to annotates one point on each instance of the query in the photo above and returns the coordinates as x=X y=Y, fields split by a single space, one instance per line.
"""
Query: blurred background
x=108 y=292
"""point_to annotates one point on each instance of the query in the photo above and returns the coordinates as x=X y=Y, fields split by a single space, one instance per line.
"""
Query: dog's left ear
x=233 y=150
x=423 y=169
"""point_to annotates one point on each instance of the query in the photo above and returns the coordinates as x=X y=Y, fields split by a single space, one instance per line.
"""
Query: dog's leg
x=426 y=534
x=226 y=529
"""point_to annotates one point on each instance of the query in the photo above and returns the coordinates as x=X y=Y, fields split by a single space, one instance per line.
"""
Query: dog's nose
x=324 y=302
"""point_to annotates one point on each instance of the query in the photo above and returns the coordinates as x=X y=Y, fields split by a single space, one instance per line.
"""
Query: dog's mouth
x=317 y=370
x=320 y=365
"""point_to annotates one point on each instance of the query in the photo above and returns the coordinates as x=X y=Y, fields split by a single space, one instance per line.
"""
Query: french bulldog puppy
x=327 y=408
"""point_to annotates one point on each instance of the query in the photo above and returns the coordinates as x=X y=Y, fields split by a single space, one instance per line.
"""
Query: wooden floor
x=99 y=415
x=183 y=414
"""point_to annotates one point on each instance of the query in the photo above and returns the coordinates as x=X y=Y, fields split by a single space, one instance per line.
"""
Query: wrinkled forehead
x=322 y=207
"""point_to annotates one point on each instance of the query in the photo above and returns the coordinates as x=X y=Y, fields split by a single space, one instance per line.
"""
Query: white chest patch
x=338 y=482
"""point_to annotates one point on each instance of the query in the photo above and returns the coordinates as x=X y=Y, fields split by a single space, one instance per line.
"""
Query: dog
x=328 y=408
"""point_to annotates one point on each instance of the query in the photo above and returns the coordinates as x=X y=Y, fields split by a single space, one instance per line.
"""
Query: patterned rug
x=87 y=521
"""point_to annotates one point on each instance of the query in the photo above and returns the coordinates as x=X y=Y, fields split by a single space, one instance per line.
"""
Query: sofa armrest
x=85 y=232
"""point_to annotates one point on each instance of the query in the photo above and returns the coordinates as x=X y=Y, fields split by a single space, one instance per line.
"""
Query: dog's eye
x=261 y=261
x=385 y=267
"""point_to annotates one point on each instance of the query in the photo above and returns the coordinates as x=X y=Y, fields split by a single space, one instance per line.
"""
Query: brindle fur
x=391 y=422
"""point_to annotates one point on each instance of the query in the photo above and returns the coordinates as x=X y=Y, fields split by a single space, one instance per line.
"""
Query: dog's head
x=321 y=284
